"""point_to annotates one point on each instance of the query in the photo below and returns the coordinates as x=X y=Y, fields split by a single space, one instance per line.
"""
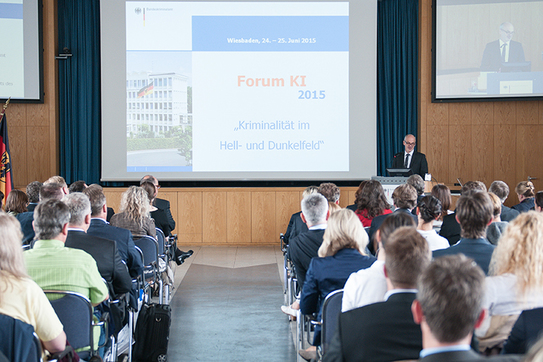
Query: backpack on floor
x=152 y=333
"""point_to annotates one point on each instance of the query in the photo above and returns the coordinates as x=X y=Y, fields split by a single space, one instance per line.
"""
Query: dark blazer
x=109 y=262
x=479 y=250
x=377 y=332
x=161 y=221
x=450 y=229
x=460 y=356
x=31 y=207
x=492 y=55
x=353 y=207
x=295 y=227
x=125 y=243
x=418 y=165
x=508 y=213
x=165 y=205
x=26 y=219
x=378 y=220
x=525 y=206
x=302 y=249
x=525 y=332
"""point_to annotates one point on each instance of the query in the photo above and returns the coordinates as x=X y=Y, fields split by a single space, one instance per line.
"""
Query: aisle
x=227 y=307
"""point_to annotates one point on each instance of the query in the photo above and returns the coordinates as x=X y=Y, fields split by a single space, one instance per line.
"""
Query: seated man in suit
x=385 y=331
x=474 y=213
x=500 y=189
x=450 y=229
x=411 y=159
x=330 y=191
x=503 y=50
x=305 y=246
x=448 y=307
x=296 y=225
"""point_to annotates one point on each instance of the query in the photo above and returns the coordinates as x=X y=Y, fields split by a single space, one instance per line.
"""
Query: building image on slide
x=158 y=119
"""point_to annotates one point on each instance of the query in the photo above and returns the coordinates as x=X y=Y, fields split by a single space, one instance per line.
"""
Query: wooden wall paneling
x=437 y=151
x=482 y=113
x=437 y=114
x=238 y=217
x=460 y=113
x=527 y=112
x=39 y=153
x=505 y=113
x=214 y=217
x=504 y=150
x=460 y=152
x=482 y=158
x=287 y=203
x=17 y=146
x=263 y=218
x=540 y=113
x=113 y=198
x=190 y=220
x=528 y=151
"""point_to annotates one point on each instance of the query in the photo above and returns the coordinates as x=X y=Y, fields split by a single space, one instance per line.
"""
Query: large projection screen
x=21 y=52
x=238 y=90
x=487 y=50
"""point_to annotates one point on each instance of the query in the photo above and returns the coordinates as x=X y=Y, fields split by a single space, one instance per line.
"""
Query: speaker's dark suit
x=302 y=249
x=125 y=243
x=108 y=260
x=479 y=250
x=418 y=165
x=165 y=205
x=382 y=331
x=492 y=56
x=450 y=229
x=525 y=332
x=295 y=227
x=466 y=356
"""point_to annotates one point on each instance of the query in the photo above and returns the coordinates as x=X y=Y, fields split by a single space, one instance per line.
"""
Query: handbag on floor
x=152 y=333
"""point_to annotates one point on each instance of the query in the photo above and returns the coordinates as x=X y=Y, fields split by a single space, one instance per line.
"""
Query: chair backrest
x=161 y=239
x=75 y=313
x=18 y=342
x=331 y=309
x=149 y=247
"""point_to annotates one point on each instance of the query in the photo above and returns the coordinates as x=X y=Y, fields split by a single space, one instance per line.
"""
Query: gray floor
x=226 y=307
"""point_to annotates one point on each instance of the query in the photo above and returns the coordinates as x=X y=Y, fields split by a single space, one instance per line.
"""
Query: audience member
x=525 y=192
x=525 y=332
x=474 y=213
x=134 y=213
x=500 y=189
x=77 y=186
x=354 y=206
x=330 y=191
x=20 y=296
x=296 y=225
x=341 y=253
x=405 y=199
x=385 y=331
x=516 y=283
x=497 y=226
x=160 y=203
x=418 y=183
x=428 y=211
x=448 y=307
x=443 y=194
x=101 y=228
x=53 y=266
x=58 y=180
x=369 y=285
x=538 y=201
x=371 y=202
x=33 y=193
x=16 y=202
x=450 y=229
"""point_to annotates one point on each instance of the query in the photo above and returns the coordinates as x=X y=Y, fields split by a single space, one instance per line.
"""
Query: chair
x=150 y=251
x=331 y=309
x=18 y=342
x=75 y=313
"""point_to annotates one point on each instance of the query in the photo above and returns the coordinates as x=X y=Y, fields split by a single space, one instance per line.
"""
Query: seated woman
x=341 y=253
x=443 y=194
x=134 y=213
x=428 y=211
x=371 y=202
x=16 y=202
x=20 y=297
x=538 y=201
x=525 y=192
x=516 y=280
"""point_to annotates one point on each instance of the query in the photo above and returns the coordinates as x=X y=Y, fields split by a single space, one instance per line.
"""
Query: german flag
x=6 y=181
x=145 y=90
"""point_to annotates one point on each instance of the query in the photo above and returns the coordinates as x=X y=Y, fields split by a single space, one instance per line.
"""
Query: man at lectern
x=411 y=159
x=503 y=50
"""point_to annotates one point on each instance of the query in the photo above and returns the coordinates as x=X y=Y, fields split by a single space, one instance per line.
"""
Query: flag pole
x=4 y=107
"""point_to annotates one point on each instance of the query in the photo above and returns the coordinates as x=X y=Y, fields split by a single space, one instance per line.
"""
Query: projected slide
x=12 y=49
x=237 y=87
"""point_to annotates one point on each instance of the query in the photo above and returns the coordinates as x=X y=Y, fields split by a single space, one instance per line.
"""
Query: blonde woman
x=525 y=192
x=134 y=213
x=20 y=297
x=342 y=252
x=516 y=278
